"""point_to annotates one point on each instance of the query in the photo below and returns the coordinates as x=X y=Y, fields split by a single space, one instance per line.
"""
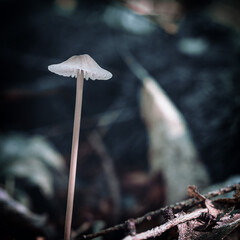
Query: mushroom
x=81 y=66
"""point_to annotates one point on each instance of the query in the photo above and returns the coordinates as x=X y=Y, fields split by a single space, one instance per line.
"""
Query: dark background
x=204 y=84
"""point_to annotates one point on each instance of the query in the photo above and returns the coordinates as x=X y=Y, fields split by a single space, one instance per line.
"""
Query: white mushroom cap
x=75 y=64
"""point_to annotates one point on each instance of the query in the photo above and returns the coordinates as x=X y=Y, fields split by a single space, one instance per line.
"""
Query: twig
x=157 y=231
x=104 y=232
x=97 y=144
x=187 y=204
x=222 y=191
x=131 y=227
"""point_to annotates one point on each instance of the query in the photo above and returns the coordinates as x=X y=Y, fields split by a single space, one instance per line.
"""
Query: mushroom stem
x=73 y=163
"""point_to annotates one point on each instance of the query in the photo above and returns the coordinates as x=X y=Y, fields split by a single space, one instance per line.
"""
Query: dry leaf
x=213 y=210
x=192 y=192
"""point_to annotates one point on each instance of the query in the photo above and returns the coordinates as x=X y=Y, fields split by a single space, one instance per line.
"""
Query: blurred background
x=168 y=118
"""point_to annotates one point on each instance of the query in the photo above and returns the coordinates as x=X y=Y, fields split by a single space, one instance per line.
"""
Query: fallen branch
x=187 y=204
x=157 y=231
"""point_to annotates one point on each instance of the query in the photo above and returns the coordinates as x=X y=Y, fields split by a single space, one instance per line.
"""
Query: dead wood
x=224 y=221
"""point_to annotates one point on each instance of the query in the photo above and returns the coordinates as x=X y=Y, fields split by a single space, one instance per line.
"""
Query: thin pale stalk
x=73 y=163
